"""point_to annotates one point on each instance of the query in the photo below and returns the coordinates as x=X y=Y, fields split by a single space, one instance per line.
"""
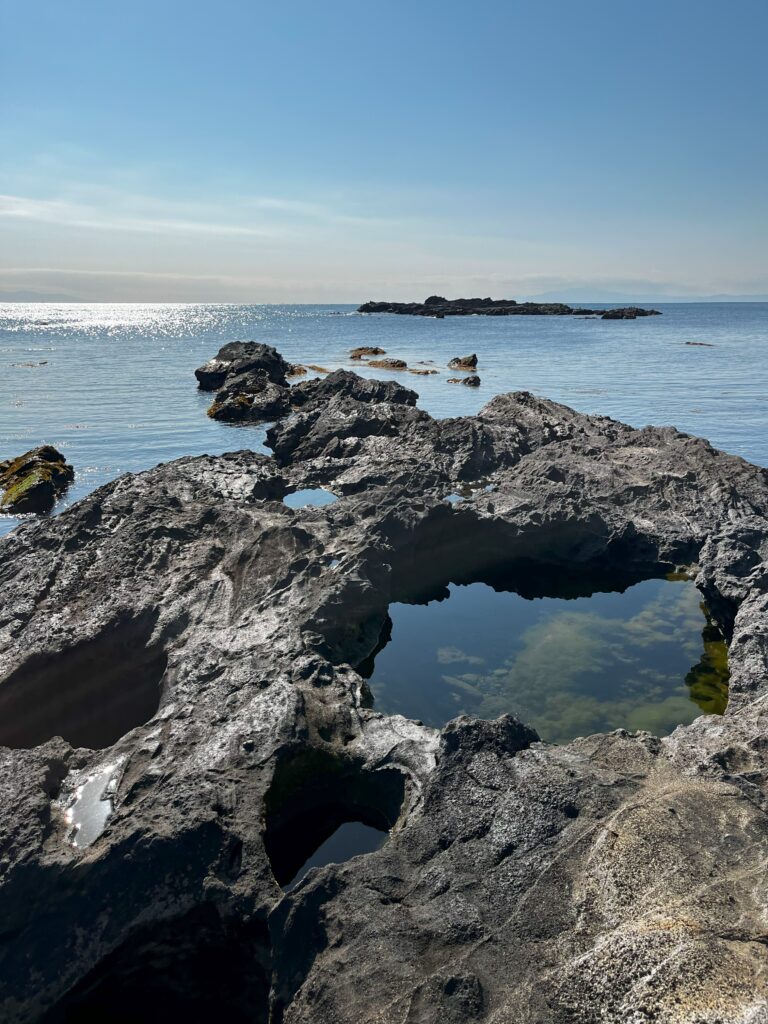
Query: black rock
x=628 y=313
x=437 y=306
x=250 y=397
x=240 y=357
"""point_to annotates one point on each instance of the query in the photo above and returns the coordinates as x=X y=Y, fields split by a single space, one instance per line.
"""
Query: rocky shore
x=438 y=306
x=183 y=644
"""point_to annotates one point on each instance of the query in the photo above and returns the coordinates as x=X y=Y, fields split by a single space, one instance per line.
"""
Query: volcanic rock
x=438 y=306
x=239 y=357
x=214 y=633
x=388 y=364
x=250 y=396
x=463 y=362
x=33 y=481
x=628 y=313
x=366 y=350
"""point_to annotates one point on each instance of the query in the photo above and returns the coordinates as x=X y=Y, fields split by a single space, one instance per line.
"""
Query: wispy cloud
x=79 y=215
x=256 y=217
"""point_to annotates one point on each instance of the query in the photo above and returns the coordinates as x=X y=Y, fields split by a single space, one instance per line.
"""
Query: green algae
x=708 y=680
x=32 y=481
x=569 y=667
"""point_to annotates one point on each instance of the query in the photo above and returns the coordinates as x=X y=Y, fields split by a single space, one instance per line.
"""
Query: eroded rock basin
x=568 y=666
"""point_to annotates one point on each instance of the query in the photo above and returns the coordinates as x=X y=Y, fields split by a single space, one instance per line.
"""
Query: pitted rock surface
x=619 y=878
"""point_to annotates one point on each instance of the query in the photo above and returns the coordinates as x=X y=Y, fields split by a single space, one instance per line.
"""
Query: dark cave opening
x=91 y=694
x=313 y=795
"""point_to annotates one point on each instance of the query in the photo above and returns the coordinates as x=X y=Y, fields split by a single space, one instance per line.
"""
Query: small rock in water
x=422 y=373
x=33 y=481
x=240 y=357
x=296 y=370
x=389 y=364
x=700 y=344
x=628 y=313
x=366 y=350
x=470 y=382
x=463 y=362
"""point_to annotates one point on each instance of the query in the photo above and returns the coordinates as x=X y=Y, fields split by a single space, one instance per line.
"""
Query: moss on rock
x=33 y=481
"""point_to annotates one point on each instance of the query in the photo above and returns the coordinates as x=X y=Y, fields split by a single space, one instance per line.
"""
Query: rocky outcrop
x=463 y=362
x=239 y=357
x=366 y=350
x=253 y=397
x=628 y=313
x=388 y=364
x=618 y=878
x=33 y=481
x=439 y=307
x=250 y=396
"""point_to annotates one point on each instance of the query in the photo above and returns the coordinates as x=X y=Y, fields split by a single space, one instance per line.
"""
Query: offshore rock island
x=438 y=306
x=182 y=723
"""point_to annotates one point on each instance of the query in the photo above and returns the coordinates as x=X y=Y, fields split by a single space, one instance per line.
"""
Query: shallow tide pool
x=647 y=658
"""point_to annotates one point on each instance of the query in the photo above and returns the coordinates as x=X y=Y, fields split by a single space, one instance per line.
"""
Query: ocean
x=112 y=385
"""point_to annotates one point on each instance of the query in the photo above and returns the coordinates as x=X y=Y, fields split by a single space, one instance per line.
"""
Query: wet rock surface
x=619 y=878
x=438 y=306
x=33 y=481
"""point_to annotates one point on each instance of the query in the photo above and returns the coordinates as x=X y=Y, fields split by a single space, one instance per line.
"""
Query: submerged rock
x=33 y=481
x=471 y=382
x=616 y=878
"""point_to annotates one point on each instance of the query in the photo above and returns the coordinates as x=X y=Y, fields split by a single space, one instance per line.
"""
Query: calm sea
x=112 y=385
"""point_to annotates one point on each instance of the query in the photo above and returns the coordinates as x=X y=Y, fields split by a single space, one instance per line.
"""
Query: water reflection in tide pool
x=309 y=496
x=648 y=658
x=351 y=839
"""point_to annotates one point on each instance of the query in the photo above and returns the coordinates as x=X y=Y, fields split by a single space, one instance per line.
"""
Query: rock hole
x=352 y=839
x=91 y=694
x=316 y=496
x=323 y=809
x=564 y=662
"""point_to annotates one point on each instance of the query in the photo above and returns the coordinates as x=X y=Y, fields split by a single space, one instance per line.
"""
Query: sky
x=250 y=151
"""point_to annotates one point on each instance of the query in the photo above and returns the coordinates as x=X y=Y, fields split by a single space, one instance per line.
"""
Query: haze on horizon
x=250 y=152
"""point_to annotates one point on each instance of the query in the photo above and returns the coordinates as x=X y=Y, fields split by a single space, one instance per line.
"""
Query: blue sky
x=338 y=151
